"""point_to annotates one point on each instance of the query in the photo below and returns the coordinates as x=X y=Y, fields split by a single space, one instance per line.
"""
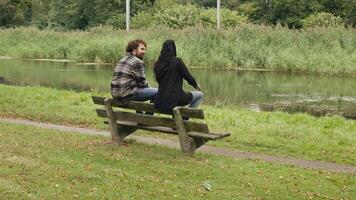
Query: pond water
x=316 y=94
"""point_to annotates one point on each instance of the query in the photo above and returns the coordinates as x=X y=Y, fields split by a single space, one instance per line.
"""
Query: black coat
x=170 y=89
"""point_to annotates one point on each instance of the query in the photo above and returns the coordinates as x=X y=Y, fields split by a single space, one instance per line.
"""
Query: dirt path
x=233 y=153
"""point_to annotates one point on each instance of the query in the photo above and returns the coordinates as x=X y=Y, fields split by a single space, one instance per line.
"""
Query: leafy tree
x=15 y=12
x=39 y=10
x=343 y=8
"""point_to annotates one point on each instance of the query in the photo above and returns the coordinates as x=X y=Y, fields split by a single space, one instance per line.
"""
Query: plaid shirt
x=128 y=77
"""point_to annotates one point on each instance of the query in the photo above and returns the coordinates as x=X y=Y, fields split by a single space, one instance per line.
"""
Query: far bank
x=246 y=47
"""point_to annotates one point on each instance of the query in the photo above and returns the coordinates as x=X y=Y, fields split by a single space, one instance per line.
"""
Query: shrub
x=322 y=19
x=143 y=19
x=248 y=9
x=228 y=18
x=117 y=21
x=179 y=16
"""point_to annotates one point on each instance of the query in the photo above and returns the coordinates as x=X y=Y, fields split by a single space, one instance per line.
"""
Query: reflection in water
x=258 y=90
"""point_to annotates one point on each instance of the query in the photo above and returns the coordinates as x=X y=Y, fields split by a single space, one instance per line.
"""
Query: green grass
x=248 y=46
x=300 y=135
x=38 y=163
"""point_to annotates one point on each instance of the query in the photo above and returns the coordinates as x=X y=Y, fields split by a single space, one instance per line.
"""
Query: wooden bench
x=191 y=134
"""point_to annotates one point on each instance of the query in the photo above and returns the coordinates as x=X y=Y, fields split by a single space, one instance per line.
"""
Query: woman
x=170 y=72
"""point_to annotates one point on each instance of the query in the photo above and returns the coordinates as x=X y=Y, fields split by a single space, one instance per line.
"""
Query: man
x=129 y=80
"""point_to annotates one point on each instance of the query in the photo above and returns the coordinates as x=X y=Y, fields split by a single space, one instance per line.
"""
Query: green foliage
x=15 y=13
x=179 y=16
x=248 y=9
x=245 y=46
x=230 y=4
x=117 y=21
x=143 y=20
x=40 y=10
x=81 y=14
x=164 y=4
x=322 y=20
x=228 y=18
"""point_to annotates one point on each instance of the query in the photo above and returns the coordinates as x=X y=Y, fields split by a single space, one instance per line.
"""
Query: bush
x=322 y=19
x=228 y=18
x=117 y=21
x=248 y=9
x=179 y=16
x=143 y=19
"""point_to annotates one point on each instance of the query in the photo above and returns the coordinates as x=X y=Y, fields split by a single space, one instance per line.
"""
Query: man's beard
x=140 y=56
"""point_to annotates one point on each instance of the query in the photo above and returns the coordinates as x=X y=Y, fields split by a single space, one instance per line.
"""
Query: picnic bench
x=123 y=122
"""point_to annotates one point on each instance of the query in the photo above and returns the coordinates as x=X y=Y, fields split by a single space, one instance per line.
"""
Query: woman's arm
x=183 y=70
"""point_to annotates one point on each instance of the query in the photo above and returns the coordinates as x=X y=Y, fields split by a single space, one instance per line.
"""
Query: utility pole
x=218 y=15
x=127 y=15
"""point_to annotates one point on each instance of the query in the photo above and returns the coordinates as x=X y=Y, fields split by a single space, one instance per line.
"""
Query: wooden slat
x=210 y=136
x=101 y=113
x=192 y=112
x=98 y=100
x=149 y=107
x=148 y=128
x=154 y=120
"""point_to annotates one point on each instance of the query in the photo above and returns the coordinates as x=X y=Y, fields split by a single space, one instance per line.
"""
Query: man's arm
x=139 y=73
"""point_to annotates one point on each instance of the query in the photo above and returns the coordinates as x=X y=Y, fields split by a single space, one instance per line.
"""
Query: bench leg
x=199 y=142
x=188 y=144
x=122 y=133
x=118 y=133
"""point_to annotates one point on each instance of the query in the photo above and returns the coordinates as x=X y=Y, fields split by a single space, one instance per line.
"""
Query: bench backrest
x=165 y=121
x=149 y=107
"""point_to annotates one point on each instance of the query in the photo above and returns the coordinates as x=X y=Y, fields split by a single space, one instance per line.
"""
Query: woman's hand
x=198 y=87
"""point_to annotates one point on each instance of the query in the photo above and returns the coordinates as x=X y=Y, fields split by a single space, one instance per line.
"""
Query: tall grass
x=248 y=46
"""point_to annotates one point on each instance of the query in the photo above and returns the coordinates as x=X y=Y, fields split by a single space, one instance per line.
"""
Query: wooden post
x=218 y=14
x=118 y=133
x=127 y=15
x=187 y=143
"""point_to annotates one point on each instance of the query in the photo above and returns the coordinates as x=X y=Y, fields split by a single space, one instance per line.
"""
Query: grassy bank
x=250 y=47
x=327 y=138
x=45 y=164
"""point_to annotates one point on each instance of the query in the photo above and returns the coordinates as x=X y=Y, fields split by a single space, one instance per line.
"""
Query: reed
x=247 y=46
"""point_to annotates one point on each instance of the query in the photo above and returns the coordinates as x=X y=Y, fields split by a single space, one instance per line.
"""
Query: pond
x=316 y=94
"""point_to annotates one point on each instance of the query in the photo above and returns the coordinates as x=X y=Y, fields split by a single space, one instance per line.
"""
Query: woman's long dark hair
x=168 y=52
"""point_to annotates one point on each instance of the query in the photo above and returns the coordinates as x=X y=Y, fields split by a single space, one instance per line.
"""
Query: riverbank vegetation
x=326 y=138
x=83 y=14
x=281 y=35
x=39 y=163
x=330 y=50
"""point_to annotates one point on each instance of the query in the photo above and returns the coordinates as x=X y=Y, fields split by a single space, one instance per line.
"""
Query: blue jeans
x=146 y=94
x=197 y=98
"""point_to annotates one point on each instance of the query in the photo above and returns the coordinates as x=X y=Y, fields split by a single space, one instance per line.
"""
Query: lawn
x=330 y=139
x=38 y=163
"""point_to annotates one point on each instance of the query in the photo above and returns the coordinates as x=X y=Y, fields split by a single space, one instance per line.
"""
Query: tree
x=15 y=12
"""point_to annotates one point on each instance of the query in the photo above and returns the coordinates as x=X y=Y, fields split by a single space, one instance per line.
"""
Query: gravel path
x=233 y=153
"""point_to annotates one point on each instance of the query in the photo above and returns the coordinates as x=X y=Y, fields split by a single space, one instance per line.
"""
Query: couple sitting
x=129 y=80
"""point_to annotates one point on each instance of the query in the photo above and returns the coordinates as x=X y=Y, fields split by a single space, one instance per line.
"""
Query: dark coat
x=170 y=89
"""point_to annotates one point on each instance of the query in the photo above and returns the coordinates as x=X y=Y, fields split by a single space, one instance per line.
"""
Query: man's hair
x=133 y=44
